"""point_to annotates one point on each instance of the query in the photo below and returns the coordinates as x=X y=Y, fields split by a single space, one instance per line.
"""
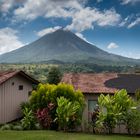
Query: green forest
x=40 y=71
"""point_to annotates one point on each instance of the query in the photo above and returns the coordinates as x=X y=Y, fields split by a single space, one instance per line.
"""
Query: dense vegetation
x=40 y=71
x=53 y=107
x=60 y=107
x=117 y=110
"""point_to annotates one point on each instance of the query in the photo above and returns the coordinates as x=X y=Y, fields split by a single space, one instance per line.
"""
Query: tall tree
x=54 y=76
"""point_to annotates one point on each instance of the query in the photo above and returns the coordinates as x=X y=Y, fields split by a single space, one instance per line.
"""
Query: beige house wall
x=11 y=97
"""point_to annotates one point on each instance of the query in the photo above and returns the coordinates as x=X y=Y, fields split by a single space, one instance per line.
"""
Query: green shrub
x=6 y=127
x=28 y=122
x=113 y=109
x=47 y=93
x=54 y=75
x=116 y=109
x=24 y=105
x=132 y=120
x=137 y=94
x=68 y=113
x=17 y=127
x=38 y=126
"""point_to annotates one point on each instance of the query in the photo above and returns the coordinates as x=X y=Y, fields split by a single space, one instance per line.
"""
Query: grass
x=52 y=135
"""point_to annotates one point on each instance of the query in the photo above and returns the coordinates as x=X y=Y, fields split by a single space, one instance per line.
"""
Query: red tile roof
x=4 y=76
x=103 y=82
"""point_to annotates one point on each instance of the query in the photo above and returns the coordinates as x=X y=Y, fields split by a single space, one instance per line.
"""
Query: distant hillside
x=63 y=47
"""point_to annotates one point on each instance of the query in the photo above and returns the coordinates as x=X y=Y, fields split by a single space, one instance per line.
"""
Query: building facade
x=93 y=85
x=15 y=87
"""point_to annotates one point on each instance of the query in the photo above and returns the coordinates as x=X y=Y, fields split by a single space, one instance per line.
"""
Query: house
x=92 y=85
x=14 y=89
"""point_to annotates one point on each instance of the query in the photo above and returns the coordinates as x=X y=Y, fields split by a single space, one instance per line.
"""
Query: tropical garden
x=58 y=106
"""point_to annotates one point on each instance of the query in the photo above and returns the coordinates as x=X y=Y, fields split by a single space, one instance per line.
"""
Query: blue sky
x=112 y=25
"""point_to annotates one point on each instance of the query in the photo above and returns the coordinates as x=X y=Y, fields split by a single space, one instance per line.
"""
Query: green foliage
x=54 y=76
x=40 y=70
x=47 y=93
x=39 y=97
x=17 y=127
x=132 y=120
x=137 y=94
x=24 y=105
x=123 y=101
x=6 y=127
x=113 y=109
x=67 y=112
x=28 y=122
x=108 y=113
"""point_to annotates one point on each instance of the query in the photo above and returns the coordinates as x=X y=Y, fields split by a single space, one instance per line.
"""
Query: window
x=91 y=106
x=20 y=87
x=29 y=93
x=13 y=83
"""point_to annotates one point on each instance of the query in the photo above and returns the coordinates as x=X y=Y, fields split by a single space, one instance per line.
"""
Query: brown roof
x=4 y=76
x=103 y=82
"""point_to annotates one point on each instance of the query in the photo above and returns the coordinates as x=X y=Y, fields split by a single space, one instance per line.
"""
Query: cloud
x=47 y=8
x=9 y=40
x=125 y=22
x=125 y=2
x=81 y=36
x=132 y=54
x=130 y=21
x=112 y=45
x=48 y=30
x=134 y=23
x=80 y=22
x=6 y=5
x=73 y=9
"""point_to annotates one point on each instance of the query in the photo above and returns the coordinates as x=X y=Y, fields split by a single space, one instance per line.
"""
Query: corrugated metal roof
x=103 y=82
x=4 y=76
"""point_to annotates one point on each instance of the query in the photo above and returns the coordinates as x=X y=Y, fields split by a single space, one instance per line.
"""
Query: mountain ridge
x=66 y=47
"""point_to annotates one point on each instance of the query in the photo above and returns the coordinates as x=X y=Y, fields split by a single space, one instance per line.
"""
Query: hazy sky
x=112 y=25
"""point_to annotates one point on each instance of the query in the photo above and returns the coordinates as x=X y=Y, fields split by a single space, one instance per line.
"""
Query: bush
x=132 y=120
x=17 y=127
x=25 y=105
x=54 y=76
x=45 y=117
x=116 y=109
x=47 y=93
x=68 y=113
x=6 y=127
x=28 y=122
x=40 y=98
x=112 y=109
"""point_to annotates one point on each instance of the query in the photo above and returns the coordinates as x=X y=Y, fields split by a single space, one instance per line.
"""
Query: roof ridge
x=6 y=72
x=4 y=76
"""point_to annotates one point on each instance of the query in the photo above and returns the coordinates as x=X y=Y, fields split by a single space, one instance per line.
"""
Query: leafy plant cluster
x=118 y=109
x=68 y=113
x=53 y=107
